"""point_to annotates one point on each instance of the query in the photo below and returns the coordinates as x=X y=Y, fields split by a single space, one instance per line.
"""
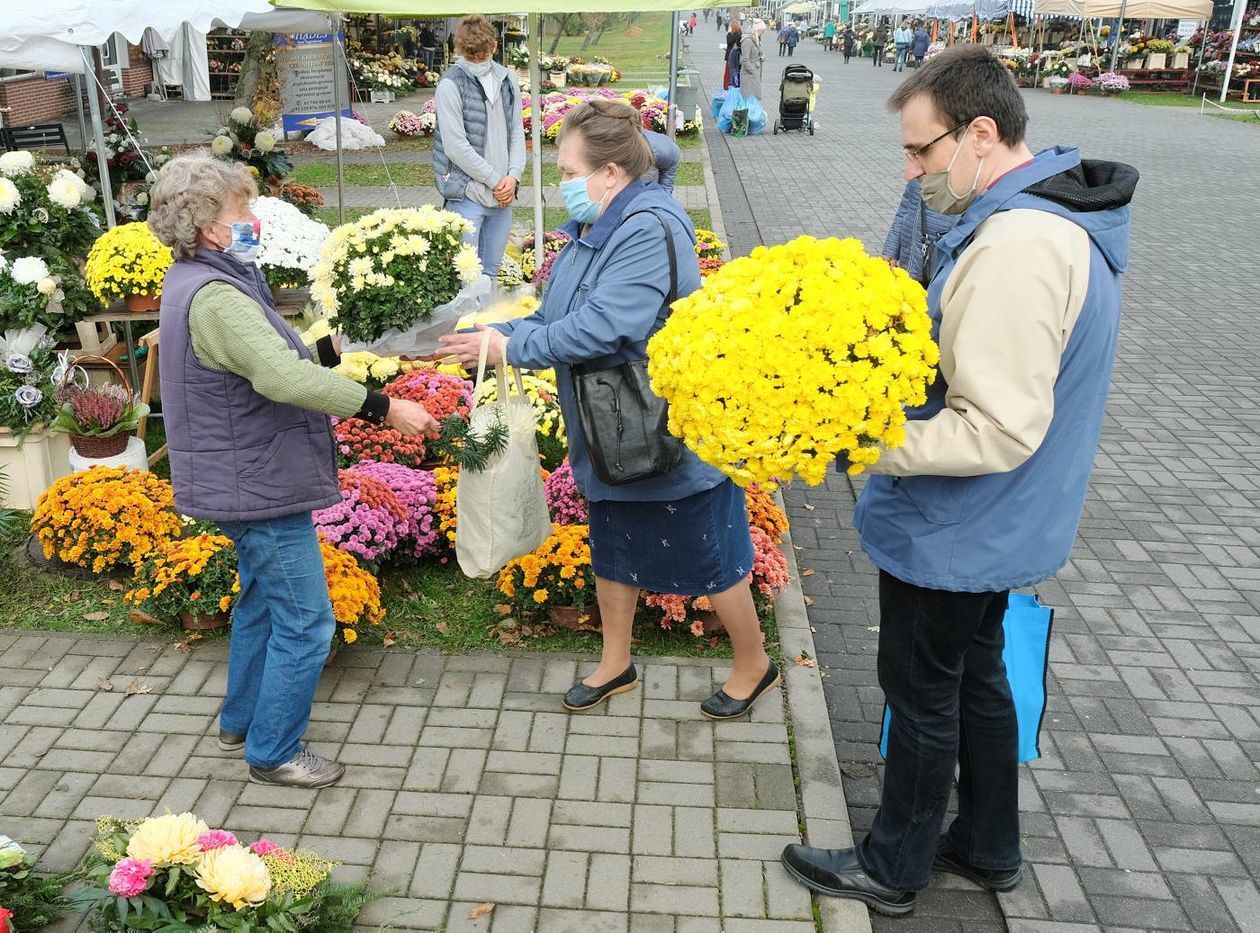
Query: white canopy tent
x=1130 y=9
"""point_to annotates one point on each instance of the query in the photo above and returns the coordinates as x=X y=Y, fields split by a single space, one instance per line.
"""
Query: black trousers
x=940 y=667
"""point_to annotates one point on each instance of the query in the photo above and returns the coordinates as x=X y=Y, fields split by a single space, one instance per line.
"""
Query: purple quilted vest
x=235 y=455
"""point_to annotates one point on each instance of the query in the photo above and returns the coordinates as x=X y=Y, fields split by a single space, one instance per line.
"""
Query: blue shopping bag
x=756 y=117
x=715 y=105
x=1026 y=628
x=733 y=101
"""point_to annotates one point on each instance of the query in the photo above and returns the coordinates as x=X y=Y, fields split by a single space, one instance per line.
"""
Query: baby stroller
x=797 y=92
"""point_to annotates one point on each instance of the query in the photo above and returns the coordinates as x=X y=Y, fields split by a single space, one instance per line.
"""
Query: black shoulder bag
x=627 y=424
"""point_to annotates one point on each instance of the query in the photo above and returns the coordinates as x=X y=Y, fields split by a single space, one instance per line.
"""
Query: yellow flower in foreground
x=234 y=875
x=168 y=840
x=350 y=635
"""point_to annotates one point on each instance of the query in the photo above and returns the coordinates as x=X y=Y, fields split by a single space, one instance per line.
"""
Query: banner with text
x=305 y=63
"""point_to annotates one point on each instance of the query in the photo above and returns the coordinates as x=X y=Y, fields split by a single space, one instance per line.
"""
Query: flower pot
x=1056 y=90
x=30 y=465
x=522 y=74
x=557 y=78
x=132 y=455
x=99 y=448
x=570 y=617
x=332 y=655
x=1181 y=60
x=1157 y=60
x=382 y=97
x=203 y=622
x=142 y=301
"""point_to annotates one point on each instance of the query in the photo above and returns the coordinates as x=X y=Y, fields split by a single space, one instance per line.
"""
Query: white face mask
x=939 y=195
x=480 y=69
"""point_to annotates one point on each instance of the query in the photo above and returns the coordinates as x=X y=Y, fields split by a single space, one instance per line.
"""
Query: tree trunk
x=252 y=68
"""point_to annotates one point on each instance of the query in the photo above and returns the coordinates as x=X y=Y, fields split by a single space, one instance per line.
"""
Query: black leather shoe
x=231 y=741
x=949 y=860
x=721 y=706
x=581 y=697
x=837 y=873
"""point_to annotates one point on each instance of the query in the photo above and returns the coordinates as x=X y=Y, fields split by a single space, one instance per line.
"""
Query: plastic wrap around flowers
x=564 y=500
x=368 y=522
x=792 y=356
x=416 y=491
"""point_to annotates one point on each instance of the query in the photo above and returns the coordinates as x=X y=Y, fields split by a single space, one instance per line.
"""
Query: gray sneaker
x=305 y=769
x=231 y=741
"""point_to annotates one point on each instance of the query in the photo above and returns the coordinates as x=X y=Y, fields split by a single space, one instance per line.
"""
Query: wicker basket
x=99 y=448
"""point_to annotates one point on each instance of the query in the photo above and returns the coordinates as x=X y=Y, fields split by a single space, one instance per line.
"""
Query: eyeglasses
x=917 y=154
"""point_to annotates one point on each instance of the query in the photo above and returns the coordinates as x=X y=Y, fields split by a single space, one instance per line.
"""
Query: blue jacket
x=921 y=42
x=908 y=232
x=606 y=296
x=667 y=155
x=1001 y=531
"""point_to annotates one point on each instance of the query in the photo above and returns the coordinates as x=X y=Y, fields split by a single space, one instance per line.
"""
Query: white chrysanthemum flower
x=10 y=197
x=4 y=263
x=242 y=115
x=16 y=163
x=221 y=145
x=28 y=269
x=65 y=192
x=467 y=265
x=47 y=286
x=265 y=141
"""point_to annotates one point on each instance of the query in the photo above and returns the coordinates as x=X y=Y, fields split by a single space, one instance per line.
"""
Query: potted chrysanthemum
x=128 y=262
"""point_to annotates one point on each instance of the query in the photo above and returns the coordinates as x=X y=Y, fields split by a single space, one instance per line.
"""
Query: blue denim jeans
x=491 y=228
x=282 y=628
x=940 y=666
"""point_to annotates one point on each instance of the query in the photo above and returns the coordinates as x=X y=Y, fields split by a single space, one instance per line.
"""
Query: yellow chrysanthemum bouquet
x=173 y=871
x=792 y=357
x=127 y=260
x=557 y=574
x=390 y=279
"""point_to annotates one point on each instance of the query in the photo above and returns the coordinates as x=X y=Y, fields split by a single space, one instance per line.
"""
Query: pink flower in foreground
x=265 y=847
x=130 y=877
x=217 y=840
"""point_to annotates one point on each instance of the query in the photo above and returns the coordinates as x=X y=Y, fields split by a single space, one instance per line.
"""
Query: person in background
x=751 y=61
x=880 y=41
x=691 y=24
x=730 y=77
x=429 y=45
x=479 y=154
x=919 y=44
x=794 y=38
x=829 y=35
x=665 y=155
x=914 y=231
x=902 y=37
x=684 y=531
x=850 y=43
x=784 y=32
x=721 y=20
x=251 y=449
x=986 y=491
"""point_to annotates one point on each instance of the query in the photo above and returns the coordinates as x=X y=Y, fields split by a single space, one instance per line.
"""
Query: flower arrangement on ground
x=355 y=594
x=565 y=501
x=558 y=573
x=239 y=139
x=106 y=517
x=30 y=901
x=126 y=160
x=764 y=513
x=677 y=610
x=391 y=268
x=409 y=125
x=708 y=244
x=1111 y=83
x=99 y=419
x=303 y=197
x=29 y=377
x=770 y=569
x=446 y=479
x=1079 y=82
x=511 y=275
x=553 y=242
x=127 y=260
x=173 y=872
x=442 y=395
x=860 y=350
x=194 y=575
x=416 y=491
x=358 y=440
x=591 y=75
x=290 y=243
x=540 y=390
x=368 y=522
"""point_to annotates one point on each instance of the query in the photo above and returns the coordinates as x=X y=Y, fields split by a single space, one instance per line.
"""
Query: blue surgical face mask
x=480 y=69
x=246 y=240
x=577 y=200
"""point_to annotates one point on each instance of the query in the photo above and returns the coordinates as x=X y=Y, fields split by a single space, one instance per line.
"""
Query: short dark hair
x=966 y=82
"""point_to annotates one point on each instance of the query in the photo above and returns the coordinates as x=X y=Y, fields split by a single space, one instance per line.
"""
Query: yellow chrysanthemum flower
x=234 y=875
x=168 y=840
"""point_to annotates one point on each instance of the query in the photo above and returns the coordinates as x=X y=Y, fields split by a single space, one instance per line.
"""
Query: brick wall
x=138 y=75
x=35 y=100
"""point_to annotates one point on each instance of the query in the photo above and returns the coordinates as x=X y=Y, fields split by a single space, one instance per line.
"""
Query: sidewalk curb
x=824 y=809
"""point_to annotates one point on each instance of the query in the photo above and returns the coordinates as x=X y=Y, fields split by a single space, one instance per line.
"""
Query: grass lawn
x=371 y=174
x=689 y=174
x=521 y=216
x=640 y=51
x=1165 y=99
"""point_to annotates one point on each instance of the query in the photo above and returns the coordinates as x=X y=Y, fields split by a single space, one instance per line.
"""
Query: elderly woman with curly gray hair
x=247 y=407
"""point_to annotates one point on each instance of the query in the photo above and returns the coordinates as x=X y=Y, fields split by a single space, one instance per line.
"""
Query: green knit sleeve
x=230 y=333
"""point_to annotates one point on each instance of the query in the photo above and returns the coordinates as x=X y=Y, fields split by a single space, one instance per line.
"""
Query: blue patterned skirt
x=696 y=546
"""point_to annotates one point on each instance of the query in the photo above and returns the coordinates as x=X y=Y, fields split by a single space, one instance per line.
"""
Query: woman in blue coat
x=683 y=532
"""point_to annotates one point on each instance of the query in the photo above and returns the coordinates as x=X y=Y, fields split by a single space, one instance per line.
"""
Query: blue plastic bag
x=1026 y=654
x=715 y=106
x=756 y=117
x=730 y=103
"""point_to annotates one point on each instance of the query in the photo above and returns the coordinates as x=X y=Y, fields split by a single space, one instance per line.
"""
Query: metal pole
x=535 y=131
x=102 y=163
x=1240 y=7
x=670 y=120
x=79 y=85
x=1194 y=88
x=339 y=76
x=1115 y=40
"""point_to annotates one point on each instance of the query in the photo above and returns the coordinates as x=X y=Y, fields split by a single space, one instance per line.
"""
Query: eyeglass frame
x=917 y=154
